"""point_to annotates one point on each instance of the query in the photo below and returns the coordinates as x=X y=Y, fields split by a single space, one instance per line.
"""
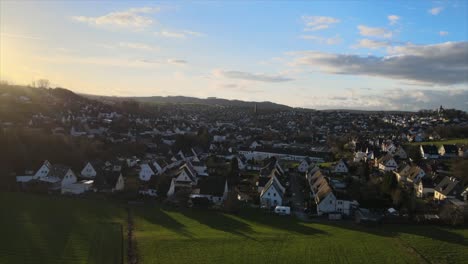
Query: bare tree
x=42 y=83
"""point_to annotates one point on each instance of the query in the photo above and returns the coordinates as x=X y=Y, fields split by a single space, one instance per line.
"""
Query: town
x=368 y=167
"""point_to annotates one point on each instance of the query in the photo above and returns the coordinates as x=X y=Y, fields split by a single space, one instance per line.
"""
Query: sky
x=386 y=54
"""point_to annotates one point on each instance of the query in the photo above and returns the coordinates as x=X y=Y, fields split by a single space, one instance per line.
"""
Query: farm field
x=193 y=236
x=53 y=229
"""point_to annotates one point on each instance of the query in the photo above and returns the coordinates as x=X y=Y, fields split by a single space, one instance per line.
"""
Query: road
x=297 y=198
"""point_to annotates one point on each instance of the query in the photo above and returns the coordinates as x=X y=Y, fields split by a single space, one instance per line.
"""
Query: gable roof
x=58 y=171
x=430 y=149
x=276 y=184
x=451 y=149
x=107 y=179
x=385 y=159
x=447 y=186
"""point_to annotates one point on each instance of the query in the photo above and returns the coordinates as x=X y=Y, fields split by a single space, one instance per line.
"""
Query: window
x=331 y=201
x=274 y=194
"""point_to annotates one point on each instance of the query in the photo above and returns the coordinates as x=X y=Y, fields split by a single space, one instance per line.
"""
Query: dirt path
x=132 y=256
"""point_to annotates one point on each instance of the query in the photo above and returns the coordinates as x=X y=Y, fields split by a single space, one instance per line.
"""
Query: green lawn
x=54 y=229
x=193 y=236
x=46 y=229
x=460 y=141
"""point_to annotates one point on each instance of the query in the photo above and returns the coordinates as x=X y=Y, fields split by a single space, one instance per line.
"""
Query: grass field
x=42 y=229
x=191 y=236
x=52 y=229
x=460 y=141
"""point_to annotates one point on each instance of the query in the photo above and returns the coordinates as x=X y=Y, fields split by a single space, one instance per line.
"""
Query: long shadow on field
x=219 y=221
x=393 y=230
x=157 y=216
x=285 y=223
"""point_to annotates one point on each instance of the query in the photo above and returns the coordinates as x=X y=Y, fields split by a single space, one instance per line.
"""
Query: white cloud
x=374 y=32
x=393 y=19
x=329 y=41
x=371 y=44
x=178 y=34
x=436 y=10
x=138 y=46
x=394 y=99
x=314 y=23
x=443 y=33
x=251 y=76
x=136 y=18
x=438 y=64
x=177 y=61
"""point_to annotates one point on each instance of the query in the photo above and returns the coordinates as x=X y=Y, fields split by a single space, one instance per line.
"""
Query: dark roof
x=262 y=181
x=448 y=186
x=107 y=179
x=213 y=186
x=58 y=171
x=430 y=149
x=451 y=149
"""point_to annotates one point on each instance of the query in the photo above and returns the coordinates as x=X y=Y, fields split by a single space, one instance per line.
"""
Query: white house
x=272 y=193
x=341 y=167
x=215 y=191
x=109 y=181
x=324 y=198
x=78 y=187
x=387 y=163
x=186 y=176
x=424 y=187
x=146 y=172
x=88 y=171
x=304 y=165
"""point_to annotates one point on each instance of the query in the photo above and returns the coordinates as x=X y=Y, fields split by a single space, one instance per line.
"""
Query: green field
x=53 y=229
x=41 y=229
x=193 y=236
x=460 y=141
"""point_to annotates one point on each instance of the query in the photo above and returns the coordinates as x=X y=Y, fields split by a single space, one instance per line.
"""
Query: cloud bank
x=440 y=64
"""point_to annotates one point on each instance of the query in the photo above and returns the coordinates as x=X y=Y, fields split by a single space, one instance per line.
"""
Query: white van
x=283 y=210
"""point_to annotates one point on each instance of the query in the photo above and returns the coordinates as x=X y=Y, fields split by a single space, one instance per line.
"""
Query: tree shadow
x=440 y=233
x=219 y=221
x=285 y=223
x=157 y=216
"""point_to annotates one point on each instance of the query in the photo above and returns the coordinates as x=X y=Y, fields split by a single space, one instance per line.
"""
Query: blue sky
x=315 y=54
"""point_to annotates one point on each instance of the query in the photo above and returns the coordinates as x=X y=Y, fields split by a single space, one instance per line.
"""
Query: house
x=411 y=174
x=215 y=190
x=78 y=187
x=109 y=181
x=89 y=171
x=448 y=151
x=387 y=163
x=272 y=194
x=429 y=151
x=341 y=167
x=55 y=176
x=304 y=165
x=146 y=171
x=324 y=197
x=447 y=188
x=186 y=176
x=424 y=187
x=400 y=153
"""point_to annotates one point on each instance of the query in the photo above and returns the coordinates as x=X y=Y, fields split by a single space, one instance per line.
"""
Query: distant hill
x=213 y=101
